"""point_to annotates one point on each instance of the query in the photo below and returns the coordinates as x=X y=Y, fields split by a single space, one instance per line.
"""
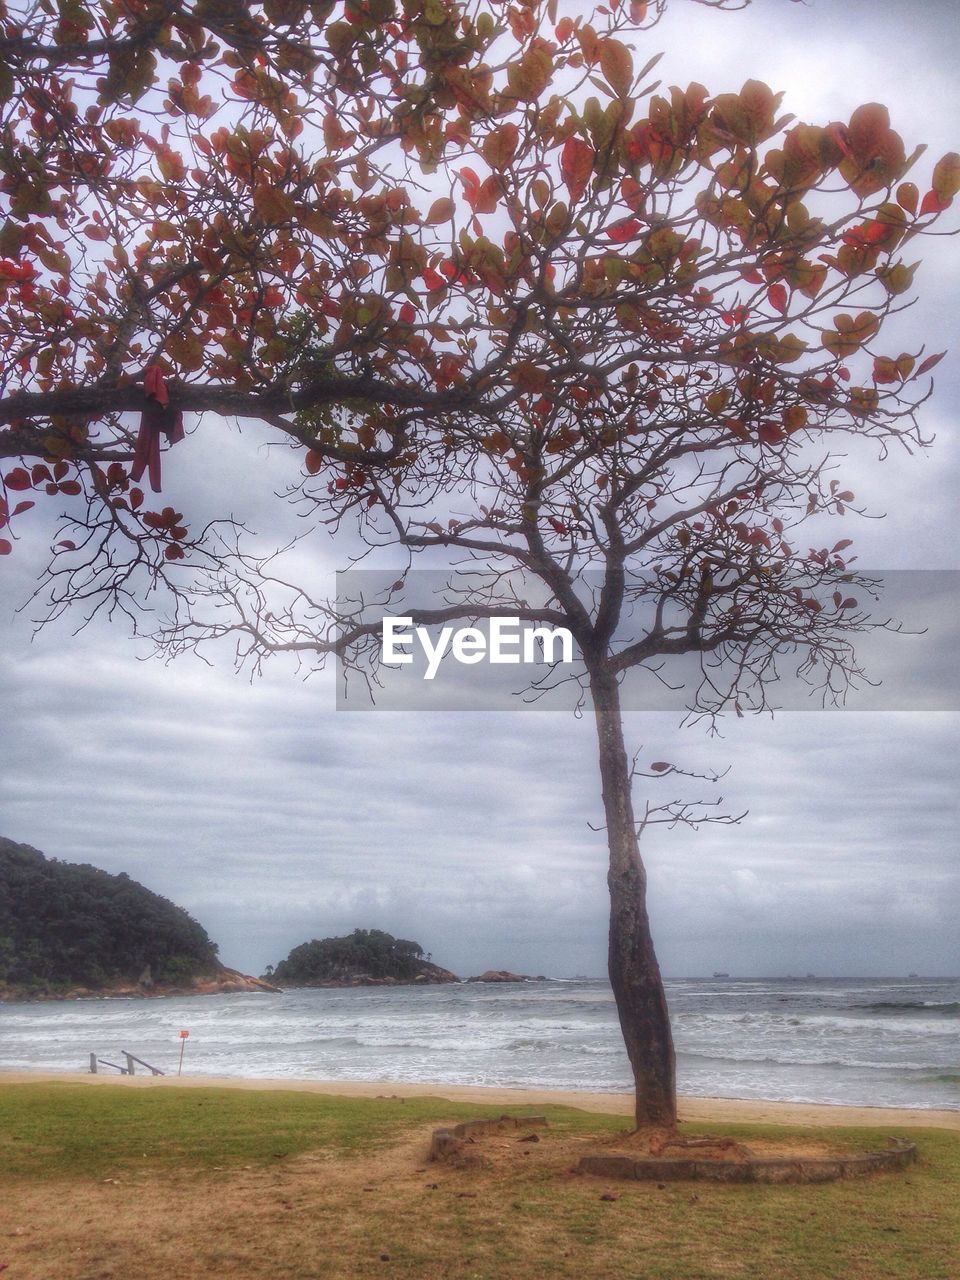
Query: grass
x=102 y=1182
x=78 y=1131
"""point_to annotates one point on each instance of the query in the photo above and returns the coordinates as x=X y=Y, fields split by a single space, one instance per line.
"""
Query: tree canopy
x=392 y=233
x=363 y=954
x=64 y=924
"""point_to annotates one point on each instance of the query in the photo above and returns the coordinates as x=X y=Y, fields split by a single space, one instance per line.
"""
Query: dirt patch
x=662 y=1154
x=668 y=1144
x=308 y=1217
x=494 y=1142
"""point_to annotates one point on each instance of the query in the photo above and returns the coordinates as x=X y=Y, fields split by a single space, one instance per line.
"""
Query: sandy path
x=720 y=1110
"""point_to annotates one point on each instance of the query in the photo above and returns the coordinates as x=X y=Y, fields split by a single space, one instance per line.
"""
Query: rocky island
x=504 y=975
x=70 y=931
x=364 y=958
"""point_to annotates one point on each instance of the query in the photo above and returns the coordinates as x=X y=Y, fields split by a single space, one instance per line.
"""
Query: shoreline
x=692 y=1109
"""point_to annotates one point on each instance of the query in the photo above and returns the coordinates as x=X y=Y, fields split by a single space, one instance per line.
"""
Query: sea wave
x=862 y=1041
x=945 y=1008
x=836 y=1023
x=922 y=1069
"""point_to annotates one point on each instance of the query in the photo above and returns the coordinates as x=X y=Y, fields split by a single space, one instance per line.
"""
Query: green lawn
x=81 y=1131
x=222 y=1165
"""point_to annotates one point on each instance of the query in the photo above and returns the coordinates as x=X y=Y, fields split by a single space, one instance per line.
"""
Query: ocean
x=871 y=1041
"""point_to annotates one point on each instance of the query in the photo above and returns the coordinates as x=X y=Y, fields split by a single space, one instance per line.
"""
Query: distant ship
x=718 y=974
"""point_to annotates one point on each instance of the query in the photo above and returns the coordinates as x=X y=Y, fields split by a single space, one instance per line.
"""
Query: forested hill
x=64 y=925
x=366 y=957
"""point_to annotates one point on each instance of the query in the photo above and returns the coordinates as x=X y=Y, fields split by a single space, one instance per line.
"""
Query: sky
x=273 y=816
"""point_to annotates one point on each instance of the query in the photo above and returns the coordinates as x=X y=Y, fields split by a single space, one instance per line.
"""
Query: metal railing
x=128 y=1070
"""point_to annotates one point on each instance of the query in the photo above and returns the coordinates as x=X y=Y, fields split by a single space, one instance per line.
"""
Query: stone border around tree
x=770 y=1170
x=448 y=1142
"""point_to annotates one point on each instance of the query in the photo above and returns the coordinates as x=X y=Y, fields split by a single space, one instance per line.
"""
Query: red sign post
x=183 y=1044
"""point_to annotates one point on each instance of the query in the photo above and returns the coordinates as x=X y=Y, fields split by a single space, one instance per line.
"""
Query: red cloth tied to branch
x=157 y=417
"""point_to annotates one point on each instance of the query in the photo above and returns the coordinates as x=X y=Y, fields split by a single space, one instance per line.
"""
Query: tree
x=498 y=302
x=67 y=924
x=364 y=954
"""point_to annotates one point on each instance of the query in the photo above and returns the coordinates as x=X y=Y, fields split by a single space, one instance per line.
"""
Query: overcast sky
x=273 y=817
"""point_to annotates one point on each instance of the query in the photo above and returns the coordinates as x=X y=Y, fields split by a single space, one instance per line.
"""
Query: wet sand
x=698 y=1110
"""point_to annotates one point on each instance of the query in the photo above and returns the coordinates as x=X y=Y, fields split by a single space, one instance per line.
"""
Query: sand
x=698 y=1110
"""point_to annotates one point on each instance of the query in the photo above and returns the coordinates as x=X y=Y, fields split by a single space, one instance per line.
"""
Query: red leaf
x=932 y=203
x=18 y=478
x=770 y=432
x=407 y=313
x=471 y=184
x=433 y=279
x=313 y=462
x=488 y=197
x=440 y=211
x=576 y=165
x=625 y=229
x=5 y=547
x=929 y=363
x=777 y=297
x=71 y=488
x=660 y=766
x=907 y=196
x=20 y=508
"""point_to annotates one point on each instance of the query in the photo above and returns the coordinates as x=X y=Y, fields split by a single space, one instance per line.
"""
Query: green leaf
x=897 y=279
x=616 y=63
x=946 y=176
x=530 y=76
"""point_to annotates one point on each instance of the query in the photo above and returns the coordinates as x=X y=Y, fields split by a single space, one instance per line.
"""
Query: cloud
x=274 y=817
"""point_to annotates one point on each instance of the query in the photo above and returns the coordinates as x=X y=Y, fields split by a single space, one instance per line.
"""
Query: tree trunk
x=634 y=971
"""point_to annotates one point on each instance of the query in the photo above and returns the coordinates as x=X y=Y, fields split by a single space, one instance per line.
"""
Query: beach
x=698 y=1110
